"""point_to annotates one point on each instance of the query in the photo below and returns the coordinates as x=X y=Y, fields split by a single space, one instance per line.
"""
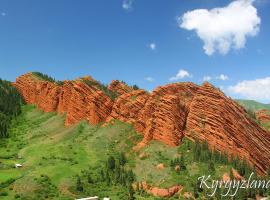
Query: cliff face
x=167 y=114
x=164 y=115
x=119 y=87
x=226 y=126
x=77 y=99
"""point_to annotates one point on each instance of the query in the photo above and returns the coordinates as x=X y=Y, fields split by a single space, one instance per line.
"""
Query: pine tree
x=122 y=159
x=111 y=163
x=79 y=185
x=89 y=179
x=211 y=167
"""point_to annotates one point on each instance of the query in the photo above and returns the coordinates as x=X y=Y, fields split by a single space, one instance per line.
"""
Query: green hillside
x=61 y=162
x=253 y=105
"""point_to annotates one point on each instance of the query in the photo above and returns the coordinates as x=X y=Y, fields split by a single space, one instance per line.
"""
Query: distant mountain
x=253 y=105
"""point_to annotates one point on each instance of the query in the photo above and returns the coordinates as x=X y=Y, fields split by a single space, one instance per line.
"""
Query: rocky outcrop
x=79 y=100
x=167 y=114
x=226 y=127
x=263 y=115
x=164 y=115
x=160 y=192
x=119 y=87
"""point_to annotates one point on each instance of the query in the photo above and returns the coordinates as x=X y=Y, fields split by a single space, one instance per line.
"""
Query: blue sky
x=141 y=42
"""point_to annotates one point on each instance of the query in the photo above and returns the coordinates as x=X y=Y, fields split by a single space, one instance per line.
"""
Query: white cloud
x=223 y=28
x=127 y=5
x=149 y=79
x=258 y=89
x=207 y=78
x=3 y=14
x=222 y=77
x=180 y=75
x=152 y=46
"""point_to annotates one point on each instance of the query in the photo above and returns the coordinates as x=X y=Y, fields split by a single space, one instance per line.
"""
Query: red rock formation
x=167 y=114
x=164 y=115
x=226 y=126
x=160 y=192
x=119 y=87
x=75 y=98
x=128 y=106
x=263 y=115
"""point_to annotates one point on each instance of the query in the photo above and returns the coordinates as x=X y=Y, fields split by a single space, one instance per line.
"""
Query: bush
x=113 y=95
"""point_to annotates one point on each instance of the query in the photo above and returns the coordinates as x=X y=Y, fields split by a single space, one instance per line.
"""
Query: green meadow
x=53 y=156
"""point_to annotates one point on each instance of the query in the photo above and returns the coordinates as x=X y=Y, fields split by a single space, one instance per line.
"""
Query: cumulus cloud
x=152 y=46
x=258 y=89
x=127 y=5
x=222 y=77
x=180 y=75
x=207 y=78
x=149 y=79
x=224 y=28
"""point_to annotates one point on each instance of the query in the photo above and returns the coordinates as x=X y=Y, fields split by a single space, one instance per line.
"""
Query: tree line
x=113 y=174
x=10 y=106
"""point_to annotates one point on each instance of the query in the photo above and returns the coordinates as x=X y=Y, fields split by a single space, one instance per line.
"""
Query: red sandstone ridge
x=119 y=87
x=77 y=99
x=168 y=114
x=227 y=127
x=263 y=115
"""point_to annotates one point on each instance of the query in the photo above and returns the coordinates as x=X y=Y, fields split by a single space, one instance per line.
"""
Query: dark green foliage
x=211 y=167
x=79 y=185
x=251 y=114
x=111 y=163
x=45 y=77
x=135 y=87
x=180 y=161
x=113 y=95
x=101 y=180
x=122 y=159
x=202 y=153
x=10 y=106
x=7 y=183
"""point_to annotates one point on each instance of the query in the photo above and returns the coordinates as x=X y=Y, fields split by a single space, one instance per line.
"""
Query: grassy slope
x=45 y=146
x=253 y=105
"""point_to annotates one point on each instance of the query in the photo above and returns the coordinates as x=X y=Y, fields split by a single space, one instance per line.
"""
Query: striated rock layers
x=226 y=126
x=167 y=114
x=79 y=100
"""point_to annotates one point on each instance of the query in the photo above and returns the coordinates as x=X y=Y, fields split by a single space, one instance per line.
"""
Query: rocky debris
x=263 y=115
x=177 y=168
x=161 y=192
x=226 y=177
x=236 y=175
x=160 y=166
x=143 y=156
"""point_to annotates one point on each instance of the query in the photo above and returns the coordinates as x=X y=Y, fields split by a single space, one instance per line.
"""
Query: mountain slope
x=53 y=156
x=168 y=114
x=253 y=105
